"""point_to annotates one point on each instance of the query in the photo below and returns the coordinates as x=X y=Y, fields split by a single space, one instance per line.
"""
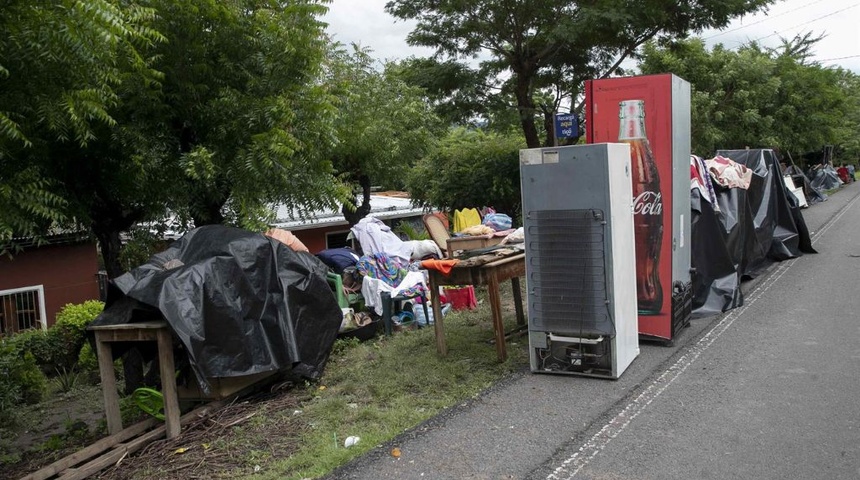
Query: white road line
x=590 y=449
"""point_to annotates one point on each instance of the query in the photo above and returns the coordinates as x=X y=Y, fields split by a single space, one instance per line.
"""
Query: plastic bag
x=498 y=221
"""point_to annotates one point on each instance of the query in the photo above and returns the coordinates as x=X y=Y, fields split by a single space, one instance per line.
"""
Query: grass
x=381 y=388
x=375 y=390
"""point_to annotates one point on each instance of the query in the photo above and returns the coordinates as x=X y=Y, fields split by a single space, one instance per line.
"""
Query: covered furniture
x=237 y=303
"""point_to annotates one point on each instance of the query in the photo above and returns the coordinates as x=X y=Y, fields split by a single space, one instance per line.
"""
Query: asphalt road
x=768 y=390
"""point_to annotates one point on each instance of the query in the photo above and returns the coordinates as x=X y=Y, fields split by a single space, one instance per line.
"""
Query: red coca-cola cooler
x=652 y=114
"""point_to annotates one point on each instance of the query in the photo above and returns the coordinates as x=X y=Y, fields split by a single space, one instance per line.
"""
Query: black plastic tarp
x=239 y=303
x=759 y=225
x=824 y=178
x=716 y=279
x=813 y=195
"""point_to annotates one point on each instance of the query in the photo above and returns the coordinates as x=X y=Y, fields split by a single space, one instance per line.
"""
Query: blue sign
x=566 y=126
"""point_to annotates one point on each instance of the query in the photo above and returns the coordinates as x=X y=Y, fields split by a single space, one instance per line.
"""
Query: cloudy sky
x=365 y=22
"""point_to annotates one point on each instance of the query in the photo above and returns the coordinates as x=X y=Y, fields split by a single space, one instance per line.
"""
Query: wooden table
x=455 y=244
x=486 y=270
x=137 y=332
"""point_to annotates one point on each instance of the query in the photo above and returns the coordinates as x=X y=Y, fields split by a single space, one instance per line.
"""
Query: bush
x=10 y=391
x=87 y=360
x=21 y=380
x=38 y=343
x=470 y=169
x=30 y=379
x=69 y=334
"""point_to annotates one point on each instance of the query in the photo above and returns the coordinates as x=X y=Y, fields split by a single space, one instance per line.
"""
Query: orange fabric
x=443 y=266
x=287 y=238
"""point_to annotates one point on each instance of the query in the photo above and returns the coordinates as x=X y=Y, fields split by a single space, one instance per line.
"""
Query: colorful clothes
x=728 y=173
x=391 y=271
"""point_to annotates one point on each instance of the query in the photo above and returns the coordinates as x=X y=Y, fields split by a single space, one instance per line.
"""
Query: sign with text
x=566 y=126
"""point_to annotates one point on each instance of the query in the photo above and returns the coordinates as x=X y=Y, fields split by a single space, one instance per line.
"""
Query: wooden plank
x=521 y=257
x=168 y=382
x=130 y=326
x=124 y=449
x=438 y=322
x=114 y=456
x=518 y=300
x=92 y=450
x=111 y=398
x=496 y=312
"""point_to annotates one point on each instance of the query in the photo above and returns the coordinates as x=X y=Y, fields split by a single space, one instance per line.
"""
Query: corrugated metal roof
x=383 y=205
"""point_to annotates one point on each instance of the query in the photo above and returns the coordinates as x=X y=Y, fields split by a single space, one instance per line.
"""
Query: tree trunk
x=526 y=109
x=353 y=217
x=208 y=213
x=207 y=206
x=108 y=220
x=111 y=246
x=548 y=125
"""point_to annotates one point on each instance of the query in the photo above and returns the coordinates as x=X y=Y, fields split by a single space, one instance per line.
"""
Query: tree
x=243 y=110
x=383 y=126
x=213 y=111
x=61 y=67
x=755 y=97
x=470 y=168
x=553 y=46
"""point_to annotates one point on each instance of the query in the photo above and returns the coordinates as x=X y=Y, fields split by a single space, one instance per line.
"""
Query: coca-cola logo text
x=648 y=203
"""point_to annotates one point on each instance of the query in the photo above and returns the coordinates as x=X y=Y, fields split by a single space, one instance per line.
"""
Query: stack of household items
x=241 y=307
x=744 y=218
x=384 y=281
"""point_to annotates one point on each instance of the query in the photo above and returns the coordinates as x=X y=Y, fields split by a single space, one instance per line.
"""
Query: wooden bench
x=158 y=332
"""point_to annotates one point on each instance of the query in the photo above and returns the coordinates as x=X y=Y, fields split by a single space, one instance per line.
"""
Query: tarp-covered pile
x=824 y=177
x=746 y=224
x=238 y=302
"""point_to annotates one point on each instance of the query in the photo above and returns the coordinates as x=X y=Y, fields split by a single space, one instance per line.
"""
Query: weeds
x=66 y=380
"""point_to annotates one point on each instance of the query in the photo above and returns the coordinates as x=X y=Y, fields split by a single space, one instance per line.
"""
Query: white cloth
x=372 y=288
x=423 y=248
x=517 y=236
x=375 y=236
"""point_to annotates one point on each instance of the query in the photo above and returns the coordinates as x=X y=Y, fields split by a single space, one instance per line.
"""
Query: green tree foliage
x=213 y=110
x=760 y=98
x=60 y=65
x=541 y=51
x=470 y=168
x=246 y=118
x=455 y=91
x=383 y=125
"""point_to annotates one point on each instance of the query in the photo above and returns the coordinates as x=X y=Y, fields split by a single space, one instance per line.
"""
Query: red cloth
x=460 y=298
x=443 y=266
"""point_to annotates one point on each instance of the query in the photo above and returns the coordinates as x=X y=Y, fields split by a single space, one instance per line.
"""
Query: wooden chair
x=438 y=231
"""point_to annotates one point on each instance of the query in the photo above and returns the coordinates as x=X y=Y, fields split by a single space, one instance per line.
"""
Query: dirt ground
x=52 y=429
x=69 y=422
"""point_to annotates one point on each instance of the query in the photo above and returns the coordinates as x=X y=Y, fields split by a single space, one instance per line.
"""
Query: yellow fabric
x=466 y=218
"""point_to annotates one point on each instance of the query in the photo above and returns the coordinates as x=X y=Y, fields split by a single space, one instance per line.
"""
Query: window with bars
x=22 y=309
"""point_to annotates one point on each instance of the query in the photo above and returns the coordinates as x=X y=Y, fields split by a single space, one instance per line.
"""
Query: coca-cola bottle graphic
x=647 y=207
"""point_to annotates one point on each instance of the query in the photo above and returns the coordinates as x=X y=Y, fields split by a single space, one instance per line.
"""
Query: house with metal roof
x=329 y=229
